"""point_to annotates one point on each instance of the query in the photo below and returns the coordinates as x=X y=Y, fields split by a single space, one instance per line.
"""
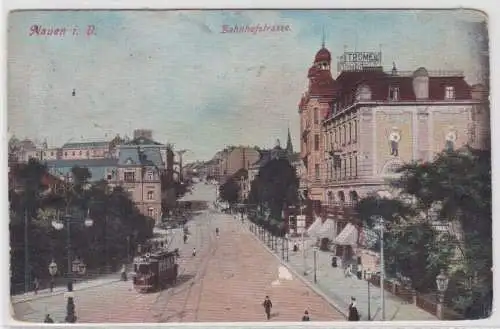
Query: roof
x=323 y=55
x=136 y=156
x=98 y=168
x=379 y=83
x=85 y=144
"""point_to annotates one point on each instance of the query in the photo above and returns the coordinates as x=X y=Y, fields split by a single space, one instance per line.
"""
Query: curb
x=341 y=310
x=62 y=292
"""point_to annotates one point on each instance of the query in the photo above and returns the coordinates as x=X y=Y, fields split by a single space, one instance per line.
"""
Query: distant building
x=236 y=158
x=86 y=150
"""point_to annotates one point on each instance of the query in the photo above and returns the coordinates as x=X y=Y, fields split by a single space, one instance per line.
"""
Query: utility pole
x=26 y=253
x=382 y=270
x=180 y=153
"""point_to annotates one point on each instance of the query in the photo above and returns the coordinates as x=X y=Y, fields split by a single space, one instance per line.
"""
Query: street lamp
x=368 y=276
x=52 y=272
x=442 y=284
x=315 y=253
x=379 y=220
x=59 y=225
x=287 y=245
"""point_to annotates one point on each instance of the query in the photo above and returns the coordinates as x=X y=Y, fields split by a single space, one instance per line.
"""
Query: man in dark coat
x=306 y=316
x=353 y=311
x=267 y=307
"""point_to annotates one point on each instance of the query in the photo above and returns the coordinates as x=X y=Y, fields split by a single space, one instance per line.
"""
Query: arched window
x=354 y=196
x=341 y=196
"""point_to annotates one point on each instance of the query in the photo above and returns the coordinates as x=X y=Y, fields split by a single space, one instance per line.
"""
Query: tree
x=454 y=189
x=275 y=186
x=229 y=191
x=118 y=224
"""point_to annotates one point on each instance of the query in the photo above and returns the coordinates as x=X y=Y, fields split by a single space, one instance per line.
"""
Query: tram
x=154 y=271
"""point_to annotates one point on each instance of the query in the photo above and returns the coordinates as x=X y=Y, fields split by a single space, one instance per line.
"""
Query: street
x=227 y=280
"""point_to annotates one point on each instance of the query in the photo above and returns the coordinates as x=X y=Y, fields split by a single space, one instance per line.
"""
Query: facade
x=380 y=121
x=138 y=171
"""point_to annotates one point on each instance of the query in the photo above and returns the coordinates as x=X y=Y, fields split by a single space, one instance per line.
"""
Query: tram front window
x=143 y=269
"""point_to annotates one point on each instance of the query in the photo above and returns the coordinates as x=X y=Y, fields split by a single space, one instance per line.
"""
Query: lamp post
x=59 y=225
x=380 y=223
x=315 y=253
x=442 y=284
x=52 y=272
x=368 y=276
x=287 y=246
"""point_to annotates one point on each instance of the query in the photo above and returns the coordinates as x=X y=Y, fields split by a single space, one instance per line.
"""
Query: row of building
x=358 y=128
x=242 y=163
x=135 y=164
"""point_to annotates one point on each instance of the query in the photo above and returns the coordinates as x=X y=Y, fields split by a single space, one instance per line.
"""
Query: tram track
x=166 y=299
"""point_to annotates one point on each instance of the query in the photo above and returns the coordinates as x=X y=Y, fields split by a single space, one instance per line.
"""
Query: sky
x=176 y=73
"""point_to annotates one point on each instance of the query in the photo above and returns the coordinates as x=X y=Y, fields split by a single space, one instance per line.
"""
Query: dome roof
x=323 y=55
x=421 y=72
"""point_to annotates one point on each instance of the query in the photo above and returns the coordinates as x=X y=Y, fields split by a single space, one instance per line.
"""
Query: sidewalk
x=339 y=288
x=110 y=278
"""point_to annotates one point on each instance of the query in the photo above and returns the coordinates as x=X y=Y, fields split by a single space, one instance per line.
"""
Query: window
x=150 y=175
x=129 y=177
x=109 y=176
x=355 y=165
x=335 y=135
x=393 y=93
x=151 y=195
x=449 y=92
x=316 y=115
x=350 y=166
x=350 y=132
x=73 y=153
x=355 y=131
x=345 y=167
x=80 y=153
x=316 y=142
x=151 y=212
x=87 y=153
x=345 y=134
x=51 y=154
x=65 y=154
x=316 y=171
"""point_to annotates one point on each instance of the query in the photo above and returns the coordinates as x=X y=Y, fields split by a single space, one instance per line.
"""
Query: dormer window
x=149 y=175
x=394 y=93
x=449 y=92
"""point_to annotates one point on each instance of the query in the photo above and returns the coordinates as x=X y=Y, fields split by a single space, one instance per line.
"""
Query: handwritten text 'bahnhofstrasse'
x=53 y=31
x=254 y=29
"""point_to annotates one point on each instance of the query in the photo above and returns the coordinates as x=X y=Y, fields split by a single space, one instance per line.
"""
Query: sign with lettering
x=357 y=61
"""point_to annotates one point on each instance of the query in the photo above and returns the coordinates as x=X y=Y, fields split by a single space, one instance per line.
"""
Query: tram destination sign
x=356 y=61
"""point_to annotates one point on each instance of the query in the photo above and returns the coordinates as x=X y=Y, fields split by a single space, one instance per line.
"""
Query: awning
x=348 y=236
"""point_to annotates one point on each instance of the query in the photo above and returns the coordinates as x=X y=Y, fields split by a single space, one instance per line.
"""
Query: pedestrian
x=36 y=285
x=194 y=252
x=124 y=273
x=48 y=319
x=353 y=311
x=267 y=307
x=306 y=316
